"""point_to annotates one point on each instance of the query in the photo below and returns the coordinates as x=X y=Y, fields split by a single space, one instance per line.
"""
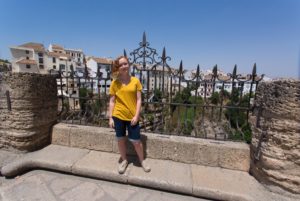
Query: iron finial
x=144 y=39
x=163 y=57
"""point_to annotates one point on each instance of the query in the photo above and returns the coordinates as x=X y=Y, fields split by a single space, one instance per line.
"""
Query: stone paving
x=52 y=186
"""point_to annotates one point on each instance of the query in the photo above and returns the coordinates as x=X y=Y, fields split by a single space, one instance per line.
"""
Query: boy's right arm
x=111 y=109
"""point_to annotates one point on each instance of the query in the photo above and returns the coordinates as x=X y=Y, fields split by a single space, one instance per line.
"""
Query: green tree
x=83 y=92
x=157 y=95
x=238 y=117
x=225 y=94
x=215 y=98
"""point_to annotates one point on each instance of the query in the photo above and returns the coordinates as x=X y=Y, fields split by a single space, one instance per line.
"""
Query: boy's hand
x=134 y=120
x=111 y=123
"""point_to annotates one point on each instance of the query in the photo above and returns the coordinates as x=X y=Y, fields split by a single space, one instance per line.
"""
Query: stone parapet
x=28 y=109
x=225 y=154
x=275 y=155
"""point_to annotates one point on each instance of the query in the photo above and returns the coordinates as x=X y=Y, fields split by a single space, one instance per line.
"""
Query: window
x=40 y=54
x=27 y=58
x=41 y=60
x=53 y=59
x=27 y=51
x=27 y=66
x=54 y=66
x=74 y=92
x=62 y=67
x=41 y=66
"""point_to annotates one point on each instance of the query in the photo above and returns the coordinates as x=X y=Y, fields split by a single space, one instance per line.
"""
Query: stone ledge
x=225 y=154
x=200 y=181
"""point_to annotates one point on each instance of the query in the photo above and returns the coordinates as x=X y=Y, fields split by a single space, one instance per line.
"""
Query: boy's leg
x=122 y=148
x=138 y=146
x=135 y=137
x=120 y=129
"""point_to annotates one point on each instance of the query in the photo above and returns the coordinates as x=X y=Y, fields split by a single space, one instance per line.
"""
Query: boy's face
x=124 y=66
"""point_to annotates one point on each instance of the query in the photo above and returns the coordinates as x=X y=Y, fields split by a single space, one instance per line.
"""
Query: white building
x=72 y=59
x=34 y=58
x=224 y=82
x=102 y=68
x=159 y=78
x=29 y=57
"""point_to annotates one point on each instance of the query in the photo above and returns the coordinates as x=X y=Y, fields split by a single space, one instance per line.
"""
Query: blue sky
x=204 y=32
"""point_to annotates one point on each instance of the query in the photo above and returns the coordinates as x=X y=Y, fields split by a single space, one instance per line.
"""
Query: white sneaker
x=123 y=166
x=145 y=166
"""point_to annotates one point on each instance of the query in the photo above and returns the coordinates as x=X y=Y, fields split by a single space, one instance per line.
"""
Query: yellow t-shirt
x=125 y=98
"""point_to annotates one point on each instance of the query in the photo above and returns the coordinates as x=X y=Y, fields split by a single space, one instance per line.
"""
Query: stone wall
x=25 y=123
x=277 y=159
x=223 y=154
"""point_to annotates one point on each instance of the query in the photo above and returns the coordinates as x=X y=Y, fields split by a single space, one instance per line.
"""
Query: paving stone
x=100 y=165
x=167 y=175
x=31 y=188
x=84 y=191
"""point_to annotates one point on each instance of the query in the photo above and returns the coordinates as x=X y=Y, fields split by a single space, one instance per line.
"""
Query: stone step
x=196 y=180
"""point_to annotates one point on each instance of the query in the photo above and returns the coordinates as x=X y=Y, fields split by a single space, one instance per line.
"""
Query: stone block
x=61 y=134
x=100 y=165
x=235 y=156
x=164 y=175
x=90 y=137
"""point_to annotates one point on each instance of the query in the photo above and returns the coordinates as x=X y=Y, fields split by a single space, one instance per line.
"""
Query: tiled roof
x=224 y=77
x=36 y=46
x=102 y=60
x=55 y=54
x=27 y=61
x=57 y=47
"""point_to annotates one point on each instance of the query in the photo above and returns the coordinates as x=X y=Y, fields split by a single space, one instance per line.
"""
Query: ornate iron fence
x=207 y=105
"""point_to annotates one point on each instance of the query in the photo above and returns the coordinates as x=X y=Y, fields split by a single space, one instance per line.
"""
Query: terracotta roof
x=27 y=61
x=224 y=77
x=102 y=60
x=36 y=46
x=58 y=47
x=55 y=54
x=208 y=77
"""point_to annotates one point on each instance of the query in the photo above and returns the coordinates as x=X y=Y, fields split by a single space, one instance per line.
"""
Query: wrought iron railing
x=213 y=105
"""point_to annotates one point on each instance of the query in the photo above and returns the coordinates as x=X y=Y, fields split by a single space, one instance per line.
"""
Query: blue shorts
x=133 y=131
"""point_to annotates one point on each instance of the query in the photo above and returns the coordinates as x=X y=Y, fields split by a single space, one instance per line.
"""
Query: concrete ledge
x=225 y=154
x=200 y=181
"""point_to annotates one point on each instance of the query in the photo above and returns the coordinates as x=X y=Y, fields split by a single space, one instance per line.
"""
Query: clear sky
x=204 y=32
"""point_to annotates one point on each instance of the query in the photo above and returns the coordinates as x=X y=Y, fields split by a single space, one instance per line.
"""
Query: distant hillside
x=4 y=61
